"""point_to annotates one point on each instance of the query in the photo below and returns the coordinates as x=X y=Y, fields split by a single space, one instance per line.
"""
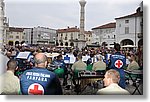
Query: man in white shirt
x=111 y=81
x=10 y=83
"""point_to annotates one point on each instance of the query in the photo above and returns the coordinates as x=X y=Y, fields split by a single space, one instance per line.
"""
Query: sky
x=58 y=14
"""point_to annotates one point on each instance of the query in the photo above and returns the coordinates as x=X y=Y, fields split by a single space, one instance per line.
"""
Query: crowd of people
x=38 y=78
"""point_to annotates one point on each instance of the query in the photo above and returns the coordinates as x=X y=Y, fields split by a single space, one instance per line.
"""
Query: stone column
x=1 y=21
x=82 y=18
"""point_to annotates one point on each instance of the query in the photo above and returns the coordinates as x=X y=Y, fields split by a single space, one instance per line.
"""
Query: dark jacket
x=40 y=81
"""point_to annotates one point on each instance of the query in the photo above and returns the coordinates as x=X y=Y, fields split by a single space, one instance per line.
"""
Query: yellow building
x=15 y=36
x=70 y=36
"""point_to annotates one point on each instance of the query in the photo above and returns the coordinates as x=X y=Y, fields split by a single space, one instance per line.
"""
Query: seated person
x=39 y=80
x=78 y=66
x=99 y=65
x=133 y=64
x=111 y=81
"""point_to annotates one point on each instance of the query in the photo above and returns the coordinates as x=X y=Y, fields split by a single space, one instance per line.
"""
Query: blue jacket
x=39 y=81
x=117 y=62
x=59 y=63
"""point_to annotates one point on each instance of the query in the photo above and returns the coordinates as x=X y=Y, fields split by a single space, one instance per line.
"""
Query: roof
x=137 y=14
x=88 y=32
x=109 y=25
x=73 y=29
x=15 y=29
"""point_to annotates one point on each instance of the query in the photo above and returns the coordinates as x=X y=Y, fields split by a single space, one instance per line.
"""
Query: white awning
x=128 y=46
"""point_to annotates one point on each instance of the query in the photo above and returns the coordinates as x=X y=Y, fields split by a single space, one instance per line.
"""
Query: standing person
x=59 y=62
x=91 y=61
x=111 y=81
x=9 y=82
x=38 y=80
x=118 y=62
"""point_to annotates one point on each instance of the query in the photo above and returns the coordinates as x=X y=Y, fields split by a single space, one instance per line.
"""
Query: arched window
x=66 y=43
x=61 y=44
x=71 y=44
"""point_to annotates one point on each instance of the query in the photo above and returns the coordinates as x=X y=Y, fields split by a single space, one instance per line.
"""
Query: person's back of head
x=99 y=57
x=117 y=47
x=59 y=57
x=12 y=65
x=113 y=75
x=40 y=60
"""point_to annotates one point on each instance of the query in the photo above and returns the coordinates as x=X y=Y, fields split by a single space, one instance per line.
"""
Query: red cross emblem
x=118 y=64
x=35 y=89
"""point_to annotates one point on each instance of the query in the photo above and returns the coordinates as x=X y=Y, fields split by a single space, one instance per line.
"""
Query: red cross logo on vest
x=35 y=89
x=118 y=64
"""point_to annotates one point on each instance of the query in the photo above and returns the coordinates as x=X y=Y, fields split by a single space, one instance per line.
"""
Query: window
x=79 y=36
x=71 y=36
x=17 y=37
x=66 y=38
x=114 y=36
x=119 y=25
x=126 y=21
x=11 y=36
x=22 y=37
x=126 y=30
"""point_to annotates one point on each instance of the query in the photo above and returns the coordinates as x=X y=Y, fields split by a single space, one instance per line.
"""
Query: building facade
x=15 y=36
x=88 y=37
x=129 y=29
x=105 y=35
x=40 y=35
x=70 y=37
